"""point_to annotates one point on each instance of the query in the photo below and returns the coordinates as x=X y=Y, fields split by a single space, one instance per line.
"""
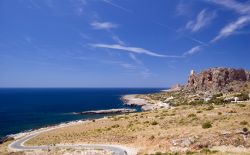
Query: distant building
x=236 y=99
x=207 y=99
x=192 y=72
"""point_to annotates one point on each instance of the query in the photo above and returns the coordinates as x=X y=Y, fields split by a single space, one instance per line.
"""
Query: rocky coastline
x=146 y=105
x=109 y=111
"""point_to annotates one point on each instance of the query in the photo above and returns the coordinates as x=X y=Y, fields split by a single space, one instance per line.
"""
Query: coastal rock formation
x=219 y=80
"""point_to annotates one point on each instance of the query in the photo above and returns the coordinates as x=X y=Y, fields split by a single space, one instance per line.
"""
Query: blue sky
x=119 y=43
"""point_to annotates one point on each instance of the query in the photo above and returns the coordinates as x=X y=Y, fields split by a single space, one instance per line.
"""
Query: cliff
x=219 y=80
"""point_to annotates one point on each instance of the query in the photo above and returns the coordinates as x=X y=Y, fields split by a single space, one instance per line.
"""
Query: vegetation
x=243 y=96
x=210 y=107
x=154 y=123
x=206 y=125
x=191 y=115
x=159 y=127
x=197 y=102
x=208 y=151
x=243 y=123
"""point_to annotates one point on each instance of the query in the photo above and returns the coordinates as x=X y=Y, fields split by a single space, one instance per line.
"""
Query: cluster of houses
x=208 y=98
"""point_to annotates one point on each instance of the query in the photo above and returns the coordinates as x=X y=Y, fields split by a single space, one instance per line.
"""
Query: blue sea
x=23 y=109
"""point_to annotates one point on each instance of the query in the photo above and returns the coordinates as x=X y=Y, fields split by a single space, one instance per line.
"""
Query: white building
x=236 y=99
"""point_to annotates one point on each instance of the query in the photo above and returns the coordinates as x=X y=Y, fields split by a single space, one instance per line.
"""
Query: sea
x=23 y=109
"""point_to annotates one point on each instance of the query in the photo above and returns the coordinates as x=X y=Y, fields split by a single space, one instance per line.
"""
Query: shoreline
x=51 y=127
x=142 y=103
x=108 y=111
x=133 y=100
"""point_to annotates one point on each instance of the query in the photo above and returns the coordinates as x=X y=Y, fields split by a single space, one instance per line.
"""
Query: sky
x=119 y=43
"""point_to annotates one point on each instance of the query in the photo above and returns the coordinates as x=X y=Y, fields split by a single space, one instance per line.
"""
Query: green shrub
x=154 y=123
x=152 y=137
x=217 y=95
x=199 y=111
x=191 y=115
x=243 y=96
x=190 y=153
x=241 y=105
x=232 y=111
x=199 y=102
x=217 y=101
x=208 y=151
x=245 y=129
x=243 y=123
x=206 y=125
x=210 y=107
x=116 y=126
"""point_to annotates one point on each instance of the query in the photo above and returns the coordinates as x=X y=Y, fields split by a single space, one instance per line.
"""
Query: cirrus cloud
x=103 y=25
x=203 y=19
x=232 y=27
x=137 y=50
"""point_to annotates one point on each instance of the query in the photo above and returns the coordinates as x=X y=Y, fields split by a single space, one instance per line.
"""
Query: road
x=18 y=145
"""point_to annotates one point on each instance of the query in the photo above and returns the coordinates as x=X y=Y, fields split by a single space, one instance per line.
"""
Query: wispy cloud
x=121 y=64
x=232 y=27
x=183 y=8
x=132 y=68
x=242 y=8
x=203 y=19
x=117 y=39
x=193 y=50
x=133 y=57
x=103 y=25
x=137 y=50
x=117 y=6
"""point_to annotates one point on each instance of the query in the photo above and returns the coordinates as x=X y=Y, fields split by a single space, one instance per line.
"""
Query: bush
x=217 y=95
x=199 y=111
x=232 y=111
x=191 y=115
x=115 y=126
x=241 y=105
x=206 y=125
x=154 y=123
x=210 y=107
x=217 y=101
x=152 y=137
x=243 y=96
x=208 y=151
x=199 y=102
x=219 y=113
x=243 y=123
x=245 y=129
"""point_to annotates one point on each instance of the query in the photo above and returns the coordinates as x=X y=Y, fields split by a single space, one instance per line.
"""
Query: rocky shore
x=109 y=111
x=146 y=105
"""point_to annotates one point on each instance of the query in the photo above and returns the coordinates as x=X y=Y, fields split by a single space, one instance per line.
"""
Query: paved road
x=17 y=145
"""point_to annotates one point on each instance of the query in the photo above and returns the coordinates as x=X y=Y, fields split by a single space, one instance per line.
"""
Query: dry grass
x=4 y=150
x=157 y=130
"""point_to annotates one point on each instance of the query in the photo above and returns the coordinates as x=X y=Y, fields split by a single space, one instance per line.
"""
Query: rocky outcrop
x=218 y=80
